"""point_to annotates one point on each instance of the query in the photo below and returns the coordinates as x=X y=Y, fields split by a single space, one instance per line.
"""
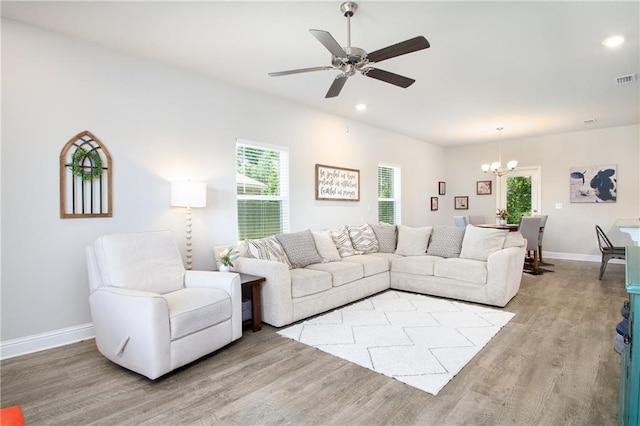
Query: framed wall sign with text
x=337 y=183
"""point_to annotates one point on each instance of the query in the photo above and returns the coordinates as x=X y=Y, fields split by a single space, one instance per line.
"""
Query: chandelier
x=495 y=168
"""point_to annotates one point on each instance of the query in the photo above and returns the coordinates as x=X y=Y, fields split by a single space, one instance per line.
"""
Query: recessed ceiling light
x=361 y=107
x=613 y=41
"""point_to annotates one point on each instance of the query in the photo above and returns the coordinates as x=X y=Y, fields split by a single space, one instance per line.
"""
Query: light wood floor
x=553 y=364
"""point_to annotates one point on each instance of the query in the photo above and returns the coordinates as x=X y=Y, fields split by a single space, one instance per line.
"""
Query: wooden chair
x=608 y=250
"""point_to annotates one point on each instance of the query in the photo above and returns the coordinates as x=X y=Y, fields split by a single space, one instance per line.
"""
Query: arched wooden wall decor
x=85 y=178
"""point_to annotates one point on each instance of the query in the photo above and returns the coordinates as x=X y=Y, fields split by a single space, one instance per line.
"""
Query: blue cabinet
x=629 y=406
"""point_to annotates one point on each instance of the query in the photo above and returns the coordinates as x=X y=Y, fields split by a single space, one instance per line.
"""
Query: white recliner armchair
x=149 y=314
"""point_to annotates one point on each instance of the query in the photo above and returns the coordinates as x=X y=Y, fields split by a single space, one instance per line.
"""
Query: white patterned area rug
x=419 y=340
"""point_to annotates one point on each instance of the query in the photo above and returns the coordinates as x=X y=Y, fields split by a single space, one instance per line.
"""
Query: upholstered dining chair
x=149 y=314
x=530 y=229
x=460 y=221
x=477 y=219
x=608 y=250
x=543 y=225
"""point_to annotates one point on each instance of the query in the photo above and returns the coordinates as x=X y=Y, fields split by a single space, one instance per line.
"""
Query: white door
x=534 y=173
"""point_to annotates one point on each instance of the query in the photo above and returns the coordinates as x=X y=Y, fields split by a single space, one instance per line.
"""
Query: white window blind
x=389 y=194
x=262 y=176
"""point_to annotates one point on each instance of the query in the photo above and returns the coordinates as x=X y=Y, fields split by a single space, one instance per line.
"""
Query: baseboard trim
x=39 y=342
x=579 y=257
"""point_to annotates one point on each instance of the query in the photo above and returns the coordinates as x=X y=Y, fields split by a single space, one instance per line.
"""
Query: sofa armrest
x=504 y=269
x=277 y=305
x=132 y=329
x=227 y=281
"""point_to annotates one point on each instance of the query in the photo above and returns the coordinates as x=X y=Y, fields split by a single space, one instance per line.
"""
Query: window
x=262 y=178
x=519 y=191
x=389 y=194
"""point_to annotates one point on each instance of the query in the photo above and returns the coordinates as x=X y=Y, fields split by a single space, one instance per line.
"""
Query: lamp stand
x=189 y=249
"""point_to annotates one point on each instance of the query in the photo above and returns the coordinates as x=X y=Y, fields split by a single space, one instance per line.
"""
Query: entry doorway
x=519 y=193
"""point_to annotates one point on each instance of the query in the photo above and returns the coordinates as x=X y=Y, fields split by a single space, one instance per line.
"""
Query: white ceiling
x=534 y=68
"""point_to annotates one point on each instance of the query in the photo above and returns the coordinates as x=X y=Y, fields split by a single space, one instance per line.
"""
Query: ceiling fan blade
x=336 y=86
x=329 y=42
x=301 y=70
x=388 y=77
x=402 y=48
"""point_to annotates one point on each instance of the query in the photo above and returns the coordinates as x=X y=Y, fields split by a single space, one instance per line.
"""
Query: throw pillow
x=342 y=241
x=478 y=243
x=268 y=248
x=446 y=241
x=387 y=236
x=363 y=239
x=326 y=247
x=413 y=241
x=300 y=248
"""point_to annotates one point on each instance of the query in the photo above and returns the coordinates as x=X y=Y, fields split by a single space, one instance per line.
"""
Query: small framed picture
x=461 y=202
x=434 y=203
x=483 y=187
x=442 y=188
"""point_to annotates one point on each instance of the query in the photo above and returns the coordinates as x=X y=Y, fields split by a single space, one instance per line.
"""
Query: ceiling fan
x=348 y=60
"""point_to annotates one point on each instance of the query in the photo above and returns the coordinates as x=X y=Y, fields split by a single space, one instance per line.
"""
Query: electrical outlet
x=558 y=206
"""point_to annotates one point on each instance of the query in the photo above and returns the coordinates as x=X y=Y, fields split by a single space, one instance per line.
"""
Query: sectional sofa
x=310 y=272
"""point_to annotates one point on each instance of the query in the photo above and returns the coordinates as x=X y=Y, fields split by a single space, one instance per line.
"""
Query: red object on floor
x=11 y=416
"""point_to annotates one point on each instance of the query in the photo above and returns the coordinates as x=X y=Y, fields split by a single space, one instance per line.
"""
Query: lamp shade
x=188 y=193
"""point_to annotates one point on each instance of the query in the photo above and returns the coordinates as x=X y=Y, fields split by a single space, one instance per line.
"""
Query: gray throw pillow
x=387 y=236
x=300 y=248
x=446 y=241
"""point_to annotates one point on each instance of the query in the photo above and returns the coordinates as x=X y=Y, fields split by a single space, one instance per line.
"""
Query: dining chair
x=460 y=221
x=477 y=219
x=543 y=225
x=608 y=250
x=530 y=230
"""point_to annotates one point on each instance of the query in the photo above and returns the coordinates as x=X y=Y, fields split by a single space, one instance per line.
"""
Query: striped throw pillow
x=363 y=239
x=342 y=241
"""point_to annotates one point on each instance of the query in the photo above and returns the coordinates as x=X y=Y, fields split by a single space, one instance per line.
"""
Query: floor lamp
x=188 y=194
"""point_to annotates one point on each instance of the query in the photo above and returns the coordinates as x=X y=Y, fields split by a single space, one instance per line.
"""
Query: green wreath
x=86 y=173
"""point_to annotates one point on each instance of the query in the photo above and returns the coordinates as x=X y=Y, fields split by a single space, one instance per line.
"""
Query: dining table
x=511 y=227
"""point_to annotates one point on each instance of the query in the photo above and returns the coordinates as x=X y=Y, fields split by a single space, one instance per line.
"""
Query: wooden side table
x=251 y=287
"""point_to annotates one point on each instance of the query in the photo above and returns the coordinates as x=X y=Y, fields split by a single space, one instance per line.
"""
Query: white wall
x=159 y=124
x=570 y=230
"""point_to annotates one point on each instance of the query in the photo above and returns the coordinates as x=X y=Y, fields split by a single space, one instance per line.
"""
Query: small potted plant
x=502 y=216
x=227 y=257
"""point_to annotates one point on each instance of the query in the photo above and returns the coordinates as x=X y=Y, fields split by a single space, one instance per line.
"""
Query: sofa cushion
x=471 y=271
x=300 y=248
x=413 y=241
x=371 y=265
x=341 y=272
x=417 y=265
x=268 y=248
x=194 y=309
x=343 y=242
x=326 y=247
x=387 y=236
x=363 y=239
x=446 y=241
x=478 y=243
x=306 y=281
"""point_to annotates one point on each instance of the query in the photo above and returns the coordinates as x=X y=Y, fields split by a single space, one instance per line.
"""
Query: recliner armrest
x=227 y=281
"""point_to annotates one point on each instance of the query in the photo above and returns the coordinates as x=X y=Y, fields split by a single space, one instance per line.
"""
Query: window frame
x=397 y=191
x=283 y=176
